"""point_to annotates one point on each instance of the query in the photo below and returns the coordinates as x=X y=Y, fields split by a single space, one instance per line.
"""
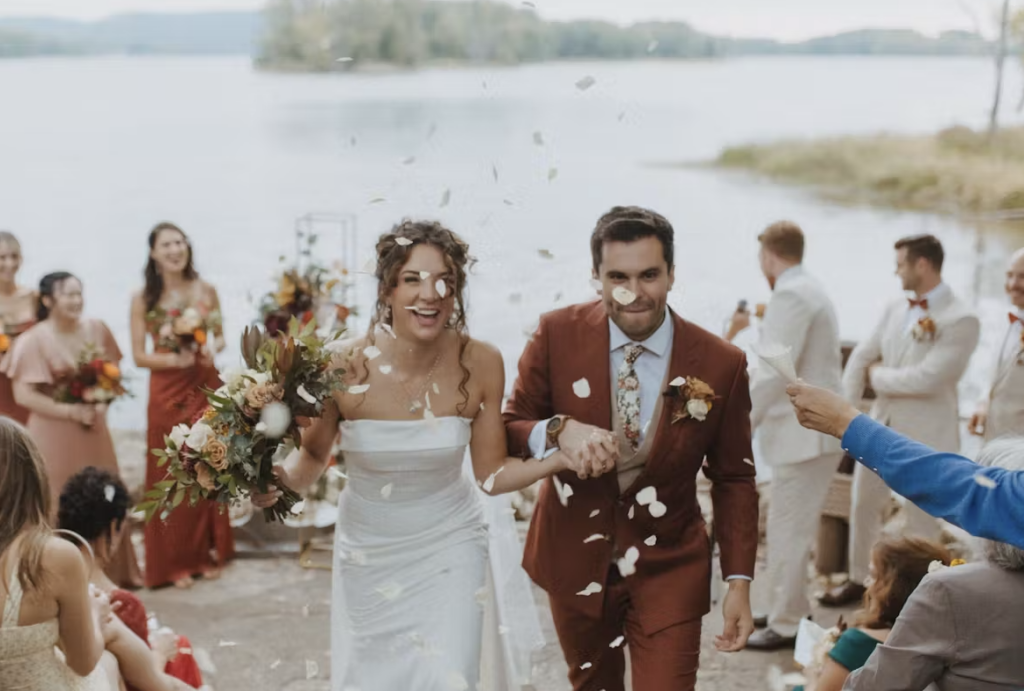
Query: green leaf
x=178 y=496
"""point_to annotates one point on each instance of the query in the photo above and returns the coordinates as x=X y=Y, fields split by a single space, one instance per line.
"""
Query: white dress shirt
x=916 y=313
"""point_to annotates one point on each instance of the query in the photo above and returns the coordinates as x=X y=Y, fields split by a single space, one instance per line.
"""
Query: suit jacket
x=961 y=630
x=943 y=484
x=1005 y=402
x=671 y=584
x=917 y=382
x=799 y=315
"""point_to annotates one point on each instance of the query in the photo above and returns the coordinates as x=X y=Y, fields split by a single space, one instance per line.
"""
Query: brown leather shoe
x=848 y=593
x=768 y=639
x=760 y=621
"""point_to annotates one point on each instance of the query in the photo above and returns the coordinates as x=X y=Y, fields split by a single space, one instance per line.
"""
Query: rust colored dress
x=39 y=359
x=8 y=407
x=194 y=539
x=133 y=613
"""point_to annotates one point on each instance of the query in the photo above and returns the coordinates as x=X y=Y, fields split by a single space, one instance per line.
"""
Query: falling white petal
x=592 y=589
x=424 y=275
x=109 y=492
x=385 y=491
x=276 y=418
x=386 y=328
x=385 y=369
x=935 y=566
x=371 y=352
x=404 y=242
x=344 y=59
x=298 y=507
x=581 y=388
x=595 y=512
x=275 y=664
x=651 y=541
x=632 y=511
x=436 y=388
x=586 y=83
x=985 y=481
x=678 y=381
x=617 y=642
x=446 y=198
x=457 y=682
x=441 y=287
x=358 y=389
x=623 y=296
x=626 y=567
x=228 y=644
x=594 y=538
x=748 y=461
x=494 y=170
x=646 y=496
x=657 y=509
x=488 y=485
x=586 y=665
x=305 y=395
x=564 y=491
x=312 y=669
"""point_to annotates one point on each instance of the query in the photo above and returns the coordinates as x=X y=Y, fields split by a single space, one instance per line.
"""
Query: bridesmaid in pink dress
x=71 y=436
x=194 y=540
x=17 y=314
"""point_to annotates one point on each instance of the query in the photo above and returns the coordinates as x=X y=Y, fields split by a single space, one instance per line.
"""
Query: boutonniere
x=759 y=310
x=691 y=398
x=924 y=329
x=939 y=566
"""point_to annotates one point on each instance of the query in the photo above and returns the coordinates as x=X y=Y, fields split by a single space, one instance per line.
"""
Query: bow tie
x=922 y=303
x=1014 y=319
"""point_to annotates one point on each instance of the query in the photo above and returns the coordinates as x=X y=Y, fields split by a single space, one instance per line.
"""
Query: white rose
x=232 y=378
x=698 y=409
x=199 y=435
x=178 y=435
x=191 y=313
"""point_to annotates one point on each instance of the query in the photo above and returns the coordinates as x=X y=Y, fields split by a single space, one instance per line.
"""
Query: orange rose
x=5 y=343
x=205 y=478
x=259 y=395
x=217 y=454
x=111 y=371
x=200 y=336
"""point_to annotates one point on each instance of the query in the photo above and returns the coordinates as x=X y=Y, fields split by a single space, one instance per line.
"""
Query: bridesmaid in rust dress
x=17 y=314
x=71 y=436
x=178 y=311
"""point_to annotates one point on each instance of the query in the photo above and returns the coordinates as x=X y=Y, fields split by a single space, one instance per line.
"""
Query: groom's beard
x=628 y=318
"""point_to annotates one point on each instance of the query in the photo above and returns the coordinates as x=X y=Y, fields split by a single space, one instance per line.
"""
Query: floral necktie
x=627 y=398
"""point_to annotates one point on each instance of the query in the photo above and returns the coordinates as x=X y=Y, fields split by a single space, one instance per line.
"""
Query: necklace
x=414 y=402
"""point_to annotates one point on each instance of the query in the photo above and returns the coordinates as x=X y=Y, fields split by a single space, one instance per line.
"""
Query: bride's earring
x=387 y=314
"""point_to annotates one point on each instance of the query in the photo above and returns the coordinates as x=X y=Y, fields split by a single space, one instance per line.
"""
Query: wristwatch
x=555 y=427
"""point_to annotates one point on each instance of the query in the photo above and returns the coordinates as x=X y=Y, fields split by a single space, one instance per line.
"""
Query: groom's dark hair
x=629 y=224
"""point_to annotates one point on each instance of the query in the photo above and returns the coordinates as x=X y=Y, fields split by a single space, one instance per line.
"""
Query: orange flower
x=957 y=562
x=216 y=452
x=5 y=343
x=200 y=336
x=342 y=312
x=111 y=371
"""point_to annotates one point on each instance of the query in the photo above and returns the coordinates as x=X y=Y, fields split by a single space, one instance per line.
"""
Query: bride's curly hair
x=392 y=255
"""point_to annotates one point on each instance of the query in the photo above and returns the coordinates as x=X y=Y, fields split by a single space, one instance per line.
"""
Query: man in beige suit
x=800 y=316
x=913 y=361
x=1001 y=411
x=962 y=628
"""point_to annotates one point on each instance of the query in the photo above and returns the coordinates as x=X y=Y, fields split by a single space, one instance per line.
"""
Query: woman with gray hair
x=963 y=626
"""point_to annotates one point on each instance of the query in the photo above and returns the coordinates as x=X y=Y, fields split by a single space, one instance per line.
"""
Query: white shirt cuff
x=538 y=441
x=739 y=578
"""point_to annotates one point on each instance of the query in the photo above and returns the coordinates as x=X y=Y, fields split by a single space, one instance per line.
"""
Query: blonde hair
x=8 y=238
x=784 y=239
x=24 y=501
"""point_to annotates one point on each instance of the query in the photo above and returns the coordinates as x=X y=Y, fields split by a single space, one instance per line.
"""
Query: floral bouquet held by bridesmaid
x=182 y=330
x=94 y=380
x=228 y=452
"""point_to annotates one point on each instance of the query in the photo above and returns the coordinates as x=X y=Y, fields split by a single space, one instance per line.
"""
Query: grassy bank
x=956 y=171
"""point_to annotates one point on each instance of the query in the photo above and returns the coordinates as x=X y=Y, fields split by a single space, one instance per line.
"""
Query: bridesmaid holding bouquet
x=17 y=315
x=179 y=313
x=65 y=372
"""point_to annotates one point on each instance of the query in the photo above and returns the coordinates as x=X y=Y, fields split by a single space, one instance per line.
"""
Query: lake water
x=93 y=152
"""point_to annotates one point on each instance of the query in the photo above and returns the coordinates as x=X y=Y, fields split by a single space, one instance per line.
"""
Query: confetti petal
x=748 y=461
x=409 y=161
x=596 y=285
x=586 y=665
x=305 y=395
x=617 y=642
x=488 y=485
x=385 y=369
x=298 y=507
x=344 y=59
x=372 y=352
x=586 y=83
x=385 y=491
x=623 y=296
x=494 y=171
x=275 y=664
x=378 y=200
x=386 y=328
x=651 y=541
x=538 y=138
x=594 y=538
x=404 y=242
x=109 y=492
x=358 y=389
x=678 y=381
x=985 y=481
x=228 y=644
x=591 y=589
x=424 y=275
x=552 y=174
x=436 y=388
x=457 y=682
x=312 y=669
x=595 y=512
x=646 y=496
x=632 y=511
x=446 y=198
x=560 y=490
x=545 y=254
x=657 y=509
x=581 y=388
x=275 y=419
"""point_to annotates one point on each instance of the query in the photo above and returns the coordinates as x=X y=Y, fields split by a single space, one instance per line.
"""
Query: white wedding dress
x=428 y=591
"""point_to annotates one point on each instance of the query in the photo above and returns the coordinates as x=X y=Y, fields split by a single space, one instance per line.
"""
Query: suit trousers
x=663 y=660
x=798 y=494
x=870 y=498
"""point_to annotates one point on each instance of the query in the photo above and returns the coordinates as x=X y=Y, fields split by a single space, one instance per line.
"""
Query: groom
x=642 y=400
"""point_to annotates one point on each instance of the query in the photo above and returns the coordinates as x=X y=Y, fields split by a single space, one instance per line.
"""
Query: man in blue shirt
x=986 y=502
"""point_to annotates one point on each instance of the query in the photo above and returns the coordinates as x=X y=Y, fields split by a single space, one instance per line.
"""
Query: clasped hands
x=588 y=451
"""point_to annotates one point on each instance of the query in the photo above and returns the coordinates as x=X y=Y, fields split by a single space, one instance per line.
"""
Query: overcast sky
x=784 y=19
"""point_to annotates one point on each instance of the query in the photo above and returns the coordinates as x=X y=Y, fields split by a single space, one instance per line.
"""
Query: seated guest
x=987 y=502
x=897 y=567
x=94 y=504
x=962 y=628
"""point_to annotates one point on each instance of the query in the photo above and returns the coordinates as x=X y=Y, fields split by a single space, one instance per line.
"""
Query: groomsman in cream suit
x=913 y=361
x=801 y=316
x=1001 y=412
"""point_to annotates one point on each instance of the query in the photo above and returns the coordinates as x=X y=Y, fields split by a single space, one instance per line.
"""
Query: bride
x=428 y=593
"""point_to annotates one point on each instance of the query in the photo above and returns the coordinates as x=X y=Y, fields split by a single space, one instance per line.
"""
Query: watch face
x=554 y=424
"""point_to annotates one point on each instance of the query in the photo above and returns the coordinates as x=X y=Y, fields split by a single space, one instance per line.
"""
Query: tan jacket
x=962 y=630
x=799 y=315
x=917 y=381
x=1005 y=402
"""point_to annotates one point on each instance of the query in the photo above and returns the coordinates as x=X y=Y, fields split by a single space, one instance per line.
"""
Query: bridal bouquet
x=182 y=330
x=229 y=451
x=94 y=380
